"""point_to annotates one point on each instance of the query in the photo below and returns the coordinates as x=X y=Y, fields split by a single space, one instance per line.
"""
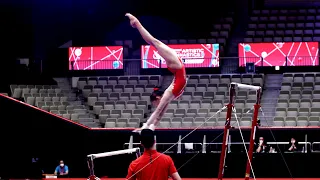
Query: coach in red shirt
x=152 y=165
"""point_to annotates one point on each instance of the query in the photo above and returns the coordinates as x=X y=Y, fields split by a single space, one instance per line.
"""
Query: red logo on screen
x=279 y=54
x=94 y=58
x=193 y=55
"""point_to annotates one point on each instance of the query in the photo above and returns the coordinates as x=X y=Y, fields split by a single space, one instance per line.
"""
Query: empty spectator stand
x=220 y=33
x=299 y=100
x=123 y=101
x=284 y=25
x=61 y=101
x=118 y=101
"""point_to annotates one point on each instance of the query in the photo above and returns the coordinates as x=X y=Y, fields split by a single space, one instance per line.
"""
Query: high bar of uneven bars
x=113 y=153
x=246 y=86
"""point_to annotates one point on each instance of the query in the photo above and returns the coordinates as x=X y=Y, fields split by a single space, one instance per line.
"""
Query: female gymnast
x=174 y=64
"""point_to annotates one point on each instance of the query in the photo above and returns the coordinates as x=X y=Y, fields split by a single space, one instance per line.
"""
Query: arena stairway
x=63 y=83
x=272 y=86
x=231 y=62
x=166 y=81
x=237 y=36
x=87 y=119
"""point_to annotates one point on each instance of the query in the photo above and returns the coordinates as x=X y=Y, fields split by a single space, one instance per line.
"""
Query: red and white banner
x=279 y=54
x=193 y=55
x=94 y=58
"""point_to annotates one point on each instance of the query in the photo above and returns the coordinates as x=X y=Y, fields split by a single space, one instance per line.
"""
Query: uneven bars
x=113 y=153
x=246 y=86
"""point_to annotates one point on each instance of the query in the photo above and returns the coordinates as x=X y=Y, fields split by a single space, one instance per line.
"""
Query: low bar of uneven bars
x=246 y=86
x=113 y=153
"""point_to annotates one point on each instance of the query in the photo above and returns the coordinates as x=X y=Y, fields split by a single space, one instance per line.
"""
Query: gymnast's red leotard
x=179 y=81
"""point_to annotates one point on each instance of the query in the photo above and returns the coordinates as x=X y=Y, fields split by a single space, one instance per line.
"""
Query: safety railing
x=315 y=147
x=233 y=147
x=236 y=62
x=172 y=147
x=281 y=61
x=304 y=146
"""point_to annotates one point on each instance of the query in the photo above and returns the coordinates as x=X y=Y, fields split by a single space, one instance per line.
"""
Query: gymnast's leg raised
x=174 y=64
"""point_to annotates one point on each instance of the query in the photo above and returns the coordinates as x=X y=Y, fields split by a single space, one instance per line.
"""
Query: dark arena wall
x=26 y=132
x=35 y=133
x=35 y=29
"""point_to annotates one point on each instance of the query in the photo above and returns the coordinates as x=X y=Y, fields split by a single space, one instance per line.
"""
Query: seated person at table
x=293 y=145
x=262 y=146
x=62 y=169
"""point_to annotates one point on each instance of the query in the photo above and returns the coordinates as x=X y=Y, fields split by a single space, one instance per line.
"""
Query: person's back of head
x=156 y=96
x=147 y=138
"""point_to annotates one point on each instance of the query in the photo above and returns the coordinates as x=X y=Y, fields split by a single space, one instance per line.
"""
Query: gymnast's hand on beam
x=145 y=126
